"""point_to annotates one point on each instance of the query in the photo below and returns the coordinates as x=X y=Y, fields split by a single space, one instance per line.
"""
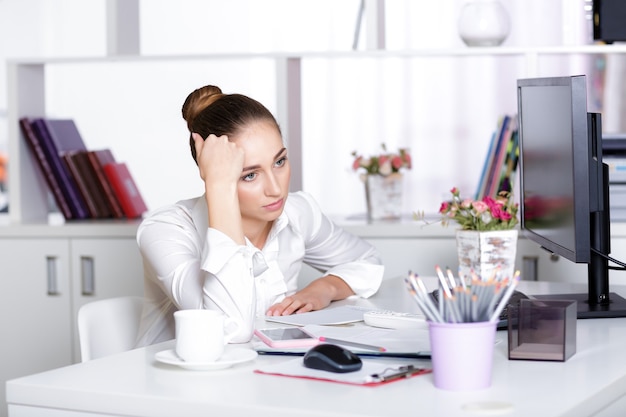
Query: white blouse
x=188 y=265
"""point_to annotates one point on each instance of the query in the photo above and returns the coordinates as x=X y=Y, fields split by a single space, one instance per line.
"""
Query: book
x=490 y=160
x=509 y=165
x=483 y=173
x=98 y=159
x=35 y=146
x=65 y=135
x=498 y=156
x=85 y=176
x=125 y=189
x=501 y=161
x=59 y=169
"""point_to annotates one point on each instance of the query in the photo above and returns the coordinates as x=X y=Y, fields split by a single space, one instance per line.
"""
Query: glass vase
x=383 y=196
x=483 y=23
x=483 y=252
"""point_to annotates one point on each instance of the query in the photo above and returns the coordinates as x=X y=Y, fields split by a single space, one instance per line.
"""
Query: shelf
x=401 y=53
x=87 y=229
x=26 y=97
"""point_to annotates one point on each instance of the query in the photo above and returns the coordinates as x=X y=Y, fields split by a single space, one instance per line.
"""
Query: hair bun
x=199 y=100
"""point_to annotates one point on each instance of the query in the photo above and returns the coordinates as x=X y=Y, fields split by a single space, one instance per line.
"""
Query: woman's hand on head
x=221 y=164
x=219 y=159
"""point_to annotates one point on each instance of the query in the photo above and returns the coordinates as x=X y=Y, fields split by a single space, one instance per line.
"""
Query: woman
x=239 y=247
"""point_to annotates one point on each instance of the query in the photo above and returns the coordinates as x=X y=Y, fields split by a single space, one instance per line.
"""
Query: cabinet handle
x=87 y=275
x=52 y=275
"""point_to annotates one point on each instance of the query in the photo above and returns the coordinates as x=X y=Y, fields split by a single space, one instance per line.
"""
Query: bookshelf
x=27 y=97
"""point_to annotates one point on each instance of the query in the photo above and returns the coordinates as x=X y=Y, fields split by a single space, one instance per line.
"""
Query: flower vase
x=383 y=196
x=482 y=252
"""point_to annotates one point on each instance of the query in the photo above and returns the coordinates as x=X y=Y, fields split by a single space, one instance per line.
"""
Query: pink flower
x=498 y=213
x=480 y=206
x=396 y=162
x=385 y=163
x=505 y=215
x=407 y=160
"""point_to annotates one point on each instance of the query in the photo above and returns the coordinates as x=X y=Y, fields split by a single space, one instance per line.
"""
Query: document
x=398 y=340
x=401 y=343
x=328 y=316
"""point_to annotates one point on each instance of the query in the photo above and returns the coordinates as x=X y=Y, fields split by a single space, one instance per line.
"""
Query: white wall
x=443 y=109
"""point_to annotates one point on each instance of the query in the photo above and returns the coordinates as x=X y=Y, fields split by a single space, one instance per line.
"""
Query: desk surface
x=134 y=384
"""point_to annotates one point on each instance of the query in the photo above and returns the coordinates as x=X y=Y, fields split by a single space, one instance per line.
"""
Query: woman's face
x=264 y=181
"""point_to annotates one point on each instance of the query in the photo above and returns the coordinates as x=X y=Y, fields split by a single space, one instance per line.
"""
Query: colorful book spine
x=498 y=157
x=60 y=171
x=480 y=190
x=494 y=150
x=87 y=183
x=46 y=169
x=98 y=160
x=126 y=190
x=501 y=161
x=509 y=167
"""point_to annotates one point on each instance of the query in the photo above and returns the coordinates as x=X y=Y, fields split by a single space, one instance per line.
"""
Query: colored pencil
x=483 y=299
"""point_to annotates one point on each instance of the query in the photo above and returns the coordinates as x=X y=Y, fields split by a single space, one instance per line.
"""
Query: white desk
x=133 y=384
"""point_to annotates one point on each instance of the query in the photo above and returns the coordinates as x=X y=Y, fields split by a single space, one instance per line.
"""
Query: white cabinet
x=103 y=268
x=46 y=274
x=35 y=305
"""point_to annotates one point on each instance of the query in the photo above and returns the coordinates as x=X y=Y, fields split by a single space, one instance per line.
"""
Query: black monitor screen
x=555 y=174
x=564 y=185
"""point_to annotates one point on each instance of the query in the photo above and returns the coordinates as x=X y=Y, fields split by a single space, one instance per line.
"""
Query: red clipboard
x=372 y=374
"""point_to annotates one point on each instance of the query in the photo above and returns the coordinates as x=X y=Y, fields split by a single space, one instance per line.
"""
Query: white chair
x=108 y=326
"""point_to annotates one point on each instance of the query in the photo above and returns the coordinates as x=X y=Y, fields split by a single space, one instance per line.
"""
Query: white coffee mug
x=201 y=334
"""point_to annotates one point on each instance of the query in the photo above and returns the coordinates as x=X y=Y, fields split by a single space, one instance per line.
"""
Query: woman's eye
x=249 y=177
x=281 y=161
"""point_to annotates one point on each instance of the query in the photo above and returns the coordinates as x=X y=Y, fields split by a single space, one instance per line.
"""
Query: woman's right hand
x=220 y=161
x=221 y=164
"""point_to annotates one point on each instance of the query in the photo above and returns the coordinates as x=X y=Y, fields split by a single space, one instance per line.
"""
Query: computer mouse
x=332 y=358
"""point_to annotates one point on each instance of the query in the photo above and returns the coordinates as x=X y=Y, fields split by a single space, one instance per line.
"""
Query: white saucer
x=230 y=357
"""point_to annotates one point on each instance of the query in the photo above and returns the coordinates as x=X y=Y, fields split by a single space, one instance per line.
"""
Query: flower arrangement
x=386 y=163
x=498 y=213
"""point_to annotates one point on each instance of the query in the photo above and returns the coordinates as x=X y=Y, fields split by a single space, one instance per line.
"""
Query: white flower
x=386 y=168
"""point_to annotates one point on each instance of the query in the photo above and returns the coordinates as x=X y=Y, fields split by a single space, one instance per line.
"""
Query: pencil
x=505 y=298
x=352 y=344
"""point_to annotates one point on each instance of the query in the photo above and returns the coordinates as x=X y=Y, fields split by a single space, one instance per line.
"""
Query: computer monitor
x=564 y=201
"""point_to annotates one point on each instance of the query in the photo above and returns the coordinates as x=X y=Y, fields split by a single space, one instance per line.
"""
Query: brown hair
x=209 y=111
